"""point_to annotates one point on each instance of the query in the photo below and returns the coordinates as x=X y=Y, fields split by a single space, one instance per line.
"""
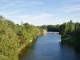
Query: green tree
x=63 y=29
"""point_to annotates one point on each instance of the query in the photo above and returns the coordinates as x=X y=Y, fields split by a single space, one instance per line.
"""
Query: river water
x=49 y=47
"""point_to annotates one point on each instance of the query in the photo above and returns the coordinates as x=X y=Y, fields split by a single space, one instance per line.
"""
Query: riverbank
x=23 y=46
x=70 y=41
x=27 y=49
x=67 y=39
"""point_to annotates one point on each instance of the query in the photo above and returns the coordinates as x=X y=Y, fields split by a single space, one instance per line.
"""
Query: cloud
x=18 y=4
x=35 y=17
x=42 y=16
x=71 y=1
x=9 y=13
x=70 y=5
x=78 y=14
x=72 y=8
x=35 y=3
x=24 y=16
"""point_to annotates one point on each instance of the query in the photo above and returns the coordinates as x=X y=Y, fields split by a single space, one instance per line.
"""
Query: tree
x=71 y=27
x=64 y=29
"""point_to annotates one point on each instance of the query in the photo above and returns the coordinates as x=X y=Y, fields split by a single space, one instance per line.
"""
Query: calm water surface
x=49 y=47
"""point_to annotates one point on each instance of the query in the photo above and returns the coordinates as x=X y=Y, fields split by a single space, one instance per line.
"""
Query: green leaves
x=9 y=34
x=67 y=28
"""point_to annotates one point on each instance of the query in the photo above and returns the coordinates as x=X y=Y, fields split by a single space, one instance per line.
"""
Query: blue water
x=49 y=47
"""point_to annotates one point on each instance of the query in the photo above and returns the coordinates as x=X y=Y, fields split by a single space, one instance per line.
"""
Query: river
x=49 y=47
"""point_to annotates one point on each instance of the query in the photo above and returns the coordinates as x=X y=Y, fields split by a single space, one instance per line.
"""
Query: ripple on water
x=49 y=47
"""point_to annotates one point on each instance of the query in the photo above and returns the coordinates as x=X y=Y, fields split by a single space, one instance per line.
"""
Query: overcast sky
x=40 y=12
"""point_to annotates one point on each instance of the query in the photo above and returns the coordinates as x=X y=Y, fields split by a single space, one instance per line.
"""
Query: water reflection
x=27 y=49
x=49 y=47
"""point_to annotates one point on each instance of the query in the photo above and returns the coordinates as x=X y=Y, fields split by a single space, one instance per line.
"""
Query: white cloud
x=35 y=3
x=78 y=14
x=24 y=16
x=18 y=3
x=42 y=16
x=71 y=8
x=71 y=1
x=67 y=2
x=35 y=17
x=70 y=5
x=10 y=13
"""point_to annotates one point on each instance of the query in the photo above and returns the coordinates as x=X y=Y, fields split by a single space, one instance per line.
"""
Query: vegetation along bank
x=14 y=36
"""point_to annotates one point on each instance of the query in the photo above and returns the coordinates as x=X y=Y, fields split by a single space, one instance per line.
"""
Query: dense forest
x=69 y=31
x=13 y=36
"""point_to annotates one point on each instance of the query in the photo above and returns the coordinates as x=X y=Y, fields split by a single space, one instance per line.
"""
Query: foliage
x=44 y=27
x=54 y=28
x=71 y=29
x=9 y=37
x=67 y=28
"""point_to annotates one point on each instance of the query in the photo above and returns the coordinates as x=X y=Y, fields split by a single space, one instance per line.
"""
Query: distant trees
x=1 y=17
x=44 y=27
x=50 y=27
x=54 y=28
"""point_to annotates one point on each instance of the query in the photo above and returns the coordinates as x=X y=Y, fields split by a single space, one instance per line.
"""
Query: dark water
x=49 y=47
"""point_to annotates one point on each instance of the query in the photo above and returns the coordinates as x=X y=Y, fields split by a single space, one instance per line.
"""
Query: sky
x=40 y=12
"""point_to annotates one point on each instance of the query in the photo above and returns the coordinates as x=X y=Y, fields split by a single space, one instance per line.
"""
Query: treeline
x=69 y=31
x=51 y=28
x=13 y=36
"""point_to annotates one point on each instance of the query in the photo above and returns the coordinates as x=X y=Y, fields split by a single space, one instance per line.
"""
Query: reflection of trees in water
x=27 y=49
x=70 y=46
